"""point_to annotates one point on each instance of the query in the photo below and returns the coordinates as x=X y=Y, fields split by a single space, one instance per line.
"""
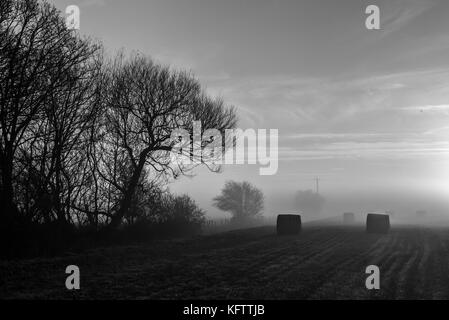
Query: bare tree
x=146 y=102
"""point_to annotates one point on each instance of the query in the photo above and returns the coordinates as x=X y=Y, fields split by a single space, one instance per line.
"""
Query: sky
x=367 y=111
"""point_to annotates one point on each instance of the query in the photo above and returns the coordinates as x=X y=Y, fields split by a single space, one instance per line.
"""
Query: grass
x=323 y=262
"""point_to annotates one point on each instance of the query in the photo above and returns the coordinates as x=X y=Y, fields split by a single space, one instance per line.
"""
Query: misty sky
x=367 y=111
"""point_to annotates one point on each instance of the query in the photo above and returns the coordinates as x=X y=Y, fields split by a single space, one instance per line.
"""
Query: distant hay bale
x=288 y=224
x=377 y=223
x=348 y=217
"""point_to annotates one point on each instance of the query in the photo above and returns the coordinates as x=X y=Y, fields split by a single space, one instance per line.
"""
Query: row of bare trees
x=86 y=140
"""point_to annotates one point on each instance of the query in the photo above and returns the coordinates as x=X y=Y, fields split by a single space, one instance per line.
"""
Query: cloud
x=367 y=116
x=440 y=130
x=92 y=3
x=340 y=104
x=362 y=145
x=366 y=150
x=397 y=14
x=435 y=109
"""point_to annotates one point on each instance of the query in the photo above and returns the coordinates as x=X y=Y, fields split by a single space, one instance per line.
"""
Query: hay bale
x=288 y=224
x=377 y=223
x=348 y=217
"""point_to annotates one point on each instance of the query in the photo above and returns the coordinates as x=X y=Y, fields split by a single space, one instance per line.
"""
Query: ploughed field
x=323 y=262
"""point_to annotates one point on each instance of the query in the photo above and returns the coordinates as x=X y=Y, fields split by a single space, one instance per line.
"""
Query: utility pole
x=243 y=200
x=317 y=183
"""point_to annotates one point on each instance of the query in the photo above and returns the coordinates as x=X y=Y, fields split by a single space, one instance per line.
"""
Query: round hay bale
x=288 y=224
x=377 y=223
x=348 y=217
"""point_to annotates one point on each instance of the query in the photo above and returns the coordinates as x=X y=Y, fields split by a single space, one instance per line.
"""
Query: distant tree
x=243 y=200
x=309 y=202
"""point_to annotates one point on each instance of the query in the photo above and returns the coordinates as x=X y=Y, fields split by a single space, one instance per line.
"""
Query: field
x=323 y=262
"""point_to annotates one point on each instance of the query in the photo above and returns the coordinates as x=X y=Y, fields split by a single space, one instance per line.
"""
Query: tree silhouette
x=45 y=85
x=86 y=140
x=145 y=103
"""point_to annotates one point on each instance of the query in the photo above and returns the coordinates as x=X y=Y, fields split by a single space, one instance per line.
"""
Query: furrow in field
x=306 y=277
x=348 y=276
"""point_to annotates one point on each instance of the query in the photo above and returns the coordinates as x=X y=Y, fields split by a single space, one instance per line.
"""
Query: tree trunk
x=7 y=192
x=130 y=191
